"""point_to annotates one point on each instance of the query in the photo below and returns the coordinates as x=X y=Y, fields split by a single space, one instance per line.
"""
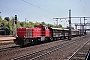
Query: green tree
x=0 y=19
x=50 y=25
x=22 y=24
x=7 y=18
x=12 y=25
x=36 y=23
x=68 y=27
x=7 y=28
x=58 y=26
x=43 y=23
x=31 y=24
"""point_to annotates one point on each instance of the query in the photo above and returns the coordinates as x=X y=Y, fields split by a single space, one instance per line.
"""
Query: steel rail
x=78 y=50
x=9 y=48
x=88 y=55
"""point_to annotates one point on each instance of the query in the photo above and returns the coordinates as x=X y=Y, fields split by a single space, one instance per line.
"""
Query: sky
x=45 y=10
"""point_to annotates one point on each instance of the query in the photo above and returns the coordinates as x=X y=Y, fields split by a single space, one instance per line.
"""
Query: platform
x=6 y=38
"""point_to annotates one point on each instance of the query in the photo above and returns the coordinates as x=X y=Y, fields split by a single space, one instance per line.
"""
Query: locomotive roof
x=66 y=29
x=58 y=28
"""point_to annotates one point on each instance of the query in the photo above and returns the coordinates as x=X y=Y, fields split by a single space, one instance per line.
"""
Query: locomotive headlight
x=32 y=40
x=24 y=36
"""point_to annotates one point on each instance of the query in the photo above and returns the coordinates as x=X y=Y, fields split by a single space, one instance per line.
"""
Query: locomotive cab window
x=46 y=28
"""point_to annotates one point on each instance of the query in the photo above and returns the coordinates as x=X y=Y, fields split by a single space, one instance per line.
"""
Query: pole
x=57 y=22
x=80 y=27
x=69 y=34
x=84 y=26
x=16 y=24
x=76 y=26
x=12 y=26
x=25 y=22
x=9 y=26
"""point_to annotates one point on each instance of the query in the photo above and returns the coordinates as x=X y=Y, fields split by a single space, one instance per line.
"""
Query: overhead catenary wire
x=39 y=7
x=84 y=8
x=87 y=8
x=30 y=4
x=82 y=5
x=7 y=8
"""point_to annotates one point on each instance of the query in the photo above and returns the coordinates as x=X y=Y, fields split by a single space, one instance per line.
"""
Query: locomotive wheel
x=55 y=39
x=51 y=39
x=26 y=42
x=35 y=41
x=32 y=42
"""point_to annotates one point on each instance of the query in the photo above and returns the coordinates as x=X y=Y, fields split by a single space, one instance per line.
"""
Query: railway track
x=41 y=53
x=9 y=48
x=81 y=53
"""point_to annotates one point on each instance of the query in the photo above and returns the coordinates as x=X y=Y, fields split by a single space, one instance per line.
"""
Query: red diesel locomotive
x=37 y=34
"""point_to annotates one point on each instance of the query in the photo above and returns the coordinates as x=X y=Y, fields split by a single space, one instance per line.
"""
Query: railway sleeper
x=78 y=58
x=80 y=55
